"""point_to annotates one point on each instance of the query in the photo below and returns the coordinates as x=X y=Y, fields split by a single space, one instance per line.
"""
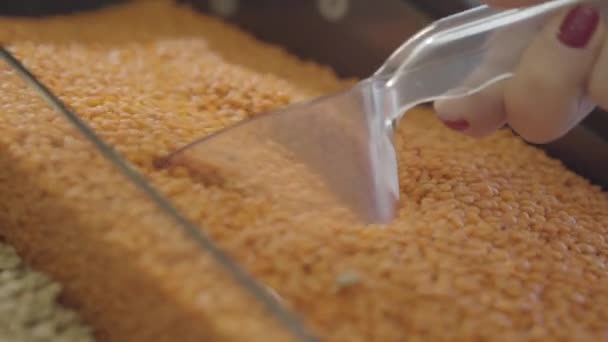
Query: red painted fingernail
x=578 y=26
x=457 y=125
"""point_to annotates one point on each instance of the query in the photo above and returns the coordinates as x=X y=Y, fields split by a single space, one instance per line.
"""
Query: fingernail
x=578 y=26
x=457 y=125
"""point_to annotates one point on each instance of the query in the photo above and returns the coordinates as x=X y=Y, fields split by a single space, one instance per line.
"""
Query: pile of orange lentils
x=493 y=240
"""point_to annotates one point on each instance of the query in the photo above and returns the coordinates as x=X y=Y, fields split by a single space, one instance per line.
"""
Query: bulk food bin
x=72 y=255
x=136 y=266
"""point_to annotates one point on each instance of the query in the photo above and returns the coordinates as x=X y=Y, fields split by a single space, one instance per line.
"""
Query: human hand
x=563 y=75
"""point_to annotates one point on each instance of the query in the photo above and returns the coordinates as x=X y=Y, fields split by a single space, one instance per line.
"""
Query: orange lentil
x=494 y=239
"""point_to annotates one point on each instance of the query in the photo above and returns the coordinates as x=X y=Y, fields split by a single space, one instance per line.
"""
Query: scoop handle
x=463 y=54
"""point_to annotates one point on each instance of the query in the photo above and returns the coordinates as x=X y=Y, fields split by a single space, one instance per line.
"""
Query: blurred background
x=354 y=37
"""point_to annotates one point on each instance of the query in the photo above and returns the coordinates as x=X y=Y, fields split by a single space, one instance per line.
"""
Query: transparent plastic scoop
x=333 y=156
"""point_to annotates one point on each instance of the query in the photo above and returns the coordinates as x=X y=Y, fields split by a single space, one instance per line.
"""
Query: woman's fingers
x=546 y=96
x=476 y=115
x=558 y=81
x=483 y=112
